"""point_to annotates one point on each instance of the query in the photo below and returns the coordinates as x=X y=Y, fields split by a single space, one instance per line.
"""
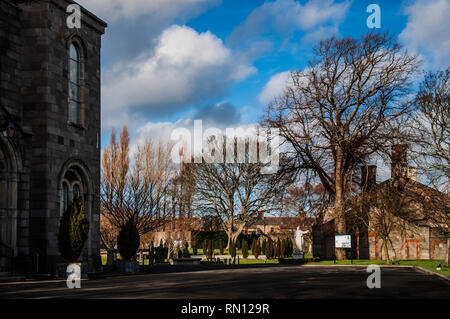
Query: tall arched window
x=74 y=84
x=64 y=197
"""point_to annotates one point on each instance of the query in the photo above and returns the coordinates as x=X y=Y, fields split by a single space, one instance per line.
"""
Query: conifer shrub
x=73 y=231
x=255 y=249
x=282 y=248
x=128 y=240
x=244 y=249
x=269 y=249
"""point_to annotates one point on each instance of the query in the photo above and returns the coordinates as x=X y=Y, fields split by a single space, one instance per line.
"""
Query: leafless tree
x=431 y=129
x=235 y=192
x=336 y=113
x=136 y=192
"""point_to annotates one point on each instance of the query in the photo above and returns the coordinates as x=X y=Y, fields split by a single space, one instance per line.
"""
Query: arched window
x=64 y=197
x=74 y=84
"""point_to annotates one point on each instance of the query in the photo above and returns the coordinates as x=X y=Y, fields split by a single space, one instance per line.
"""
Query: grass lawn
x=247 y=261
x=427 y=264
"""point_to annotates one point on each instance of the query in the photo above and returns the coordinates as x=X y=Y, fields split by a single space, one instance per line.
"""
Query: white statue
x=299 y=238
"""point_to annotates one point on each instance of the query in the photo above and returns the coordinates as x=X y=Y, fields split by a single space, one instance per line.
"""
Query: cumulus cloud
x=274 y=87
x=159 y=9
x=143 y=19
x=288 y=16
x=220 y=114
x=427 y=29
x=186 y=67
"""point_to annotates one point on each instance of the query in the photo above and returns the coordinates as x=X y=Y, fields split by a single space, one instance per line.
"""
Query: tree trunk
x=230 y=235
x=339 y=221
x=386 y=251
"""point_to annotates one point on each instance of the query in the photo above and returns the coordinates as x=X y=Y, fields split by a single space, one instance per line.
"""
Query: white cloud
x=274 y=87
x=186 y=67
x=160 y=9
x=427 y=30
x=287 y=16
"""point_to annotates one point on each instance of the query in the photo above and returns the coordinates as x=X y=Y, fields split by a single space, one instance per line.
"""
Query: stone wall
x=34 y=88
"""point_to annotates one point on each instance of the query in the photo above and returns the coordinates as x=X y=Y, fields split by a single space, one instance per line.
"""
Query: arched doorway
x=9 y=166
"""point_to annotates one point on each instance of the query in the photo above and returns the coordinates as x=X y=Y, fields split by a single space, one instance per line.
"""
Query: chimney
x=260 y=214
x=368 y=177
x=399 y=163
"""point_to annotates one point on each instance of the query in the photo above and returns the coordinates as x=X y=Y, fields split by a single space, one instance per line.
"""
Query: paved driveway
x=246 y=282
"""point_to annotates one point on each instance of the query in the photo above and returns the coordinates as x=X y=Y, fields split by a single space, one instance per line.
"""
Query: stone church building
x=49 y=130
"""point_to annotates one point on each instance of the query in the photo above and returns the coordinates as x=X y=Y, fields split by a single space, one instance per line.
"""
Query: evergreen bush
x=244 y=249
x=255 y=248
x=282 y=248
x=73 y=231
x=269 y=249
x=277 y=250
x=128 y=240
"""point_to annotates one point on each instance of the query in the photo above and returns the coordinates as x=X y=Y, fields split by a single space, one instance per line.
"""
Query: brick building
x=50 y=130
x=415 y=234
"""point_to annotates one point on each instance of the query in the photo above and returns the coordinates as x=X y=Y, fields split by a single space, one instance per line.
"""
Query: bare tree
x=335 y=113
x=136 y=192
x=431 y=126
x=432 y=123
x=108 y=233
x=235 y=192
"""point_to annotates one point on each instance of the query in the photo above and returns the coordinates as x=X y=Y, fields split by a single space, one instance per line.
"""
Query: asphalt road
x=270 y=282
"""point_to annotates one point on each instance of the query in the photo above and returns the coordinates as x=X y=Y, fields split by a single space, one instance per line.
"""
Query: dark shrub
x=221 y=248
x=244 y=249
x=282 y=248
x=128 y=240
x=205 y=247
x=255 y=248
x=194 y=248
x=73 y=231
x=269 y=249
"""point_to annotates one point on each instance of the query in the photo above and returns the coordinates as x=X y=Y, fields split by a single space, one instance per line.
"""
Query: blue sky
x=168 y=62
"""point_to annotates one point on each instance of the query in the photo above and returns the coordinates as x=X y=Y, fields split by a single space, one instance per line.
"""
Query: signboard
x=342 y=241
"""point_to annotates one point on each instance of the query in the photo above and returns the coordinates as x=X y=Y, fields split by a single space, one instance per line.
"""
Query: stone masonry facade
x=48 y=154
